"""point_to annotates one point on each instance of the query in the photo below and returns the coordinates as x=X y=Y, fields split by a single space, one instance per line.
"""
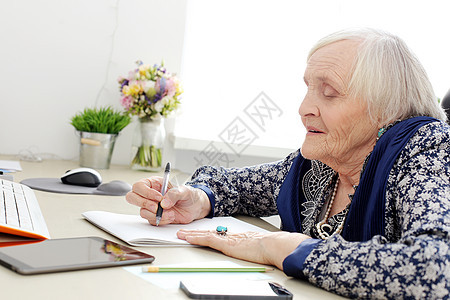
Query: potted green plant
x=98 y=128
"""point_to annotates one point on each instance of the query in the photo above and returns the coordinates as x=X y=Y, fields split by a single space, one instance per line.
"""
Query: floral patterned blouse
x=412 y=259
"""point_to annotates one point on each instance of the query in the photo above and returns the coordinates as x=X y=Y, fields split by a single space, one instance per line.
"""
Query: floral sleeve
x=415 y=262
x=249 y=190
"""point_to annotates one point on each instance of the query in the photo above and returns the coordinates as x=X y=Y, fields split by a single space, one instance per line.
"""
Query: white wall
x=59 y=56
x=236 y=49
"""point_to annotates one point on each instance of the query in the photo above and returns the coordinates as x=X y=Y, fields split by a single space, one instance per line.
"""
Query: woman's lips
x=313 y=130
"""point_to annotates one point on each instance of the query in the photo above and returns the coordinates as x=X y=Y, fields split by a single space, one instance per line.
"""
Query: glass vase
x=148 y=143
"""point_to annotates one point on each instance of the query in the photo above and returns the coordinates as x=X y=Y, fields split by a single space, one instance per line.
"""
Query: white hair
x=388 y=76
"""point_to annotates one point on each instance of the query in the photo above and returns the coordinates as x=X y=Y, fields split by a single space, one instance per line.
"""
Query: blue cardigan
x=366 y=215
x=392 y=227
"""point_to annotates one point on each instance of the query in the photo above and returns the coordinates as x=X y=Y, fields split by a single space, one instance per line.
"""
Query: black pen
x=163 y=191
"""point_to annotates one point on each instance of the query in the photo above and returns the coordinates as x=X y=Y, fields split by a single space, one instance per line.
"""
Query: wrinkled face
x=338 y=126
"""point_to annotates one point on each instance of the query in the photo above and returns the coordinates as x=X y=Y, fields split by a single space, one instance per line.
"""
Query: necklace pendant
x=326 y=229
x=323 y=230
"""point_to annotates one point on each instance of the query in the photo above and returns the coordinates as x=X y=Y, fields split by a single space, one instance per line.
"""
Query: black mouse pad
x=55 y=185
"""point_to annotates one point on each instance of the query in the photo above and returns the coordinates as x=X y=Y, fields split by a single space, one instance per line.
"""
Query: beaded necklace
x=320 y=227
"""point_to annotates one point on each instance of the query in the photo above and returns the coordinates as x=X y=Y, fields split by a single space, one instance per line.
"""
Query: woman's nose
x=308 y=106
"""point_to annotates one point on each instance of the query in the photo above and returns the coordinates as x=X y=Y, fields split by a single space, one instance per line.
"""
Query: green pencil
x=176 y=269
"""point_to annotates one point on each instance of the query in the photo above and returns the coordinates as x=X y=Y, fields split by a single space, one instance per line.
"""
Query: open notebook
x=136 y=231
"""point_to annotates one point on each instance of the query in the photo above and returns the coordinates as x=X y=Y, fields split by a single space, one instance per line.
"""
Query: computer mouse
x=83 y=177
x=115 y=187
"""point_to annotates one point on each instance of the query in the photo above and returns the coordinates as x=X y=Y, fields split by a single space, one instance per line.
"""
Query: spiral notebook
x=136 y=231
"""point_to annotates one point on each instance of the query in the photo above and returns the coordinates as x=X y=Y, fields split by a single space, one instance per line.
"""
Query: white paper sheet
x=136 y=231
x=10 y=165
x=172 y=280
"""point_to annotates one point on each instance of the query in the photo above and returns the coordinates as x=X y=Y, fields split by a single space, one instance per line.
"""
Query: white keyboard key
x=12 y=218
x=24 y=214
x=2 y=208
x=7 y=185
x=17 y=188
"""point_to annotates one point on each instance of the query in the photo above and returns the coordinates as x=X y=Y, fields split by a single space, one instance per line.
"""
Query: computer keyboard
x=20 y=213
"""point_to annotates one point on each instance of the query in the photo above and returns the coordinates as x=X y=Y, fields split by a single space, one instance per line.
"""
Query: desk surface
x=63 y=216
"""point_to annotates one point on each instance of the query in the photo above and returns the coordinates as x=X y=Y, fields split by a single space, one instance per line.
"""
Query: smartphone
x=58 y=255
x=234 y=289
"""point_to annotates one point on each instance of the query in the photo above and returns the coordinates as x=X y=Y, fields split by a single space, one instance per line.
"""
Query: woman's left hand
x=263 y=248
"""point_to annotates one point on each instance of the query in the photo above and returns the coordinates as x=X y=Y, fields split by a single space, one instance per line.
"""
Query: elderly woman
x=364 y=204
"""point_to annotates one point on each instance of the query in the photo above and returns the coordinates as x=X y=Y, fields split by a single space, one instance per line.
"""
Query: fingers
x=167 y=217
x=265 y=248
x=149 y=188
x=173 y=195
x=201 y=237
x=191 y=202
x=211 y=239
x=145 y=193
x=184 y=233
x=178 y=202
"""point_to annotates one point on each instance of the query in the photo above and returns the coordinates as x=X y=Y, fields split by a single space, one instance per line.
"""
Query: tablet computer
x=58 y=255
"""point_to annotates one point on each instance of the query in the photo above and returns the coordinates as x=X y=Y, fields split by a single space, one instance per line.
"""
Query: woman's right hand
x=181 y=205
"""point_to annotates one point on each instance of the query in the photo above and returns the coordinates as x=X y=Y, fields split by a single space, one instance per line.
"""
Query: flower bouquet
x=150 y=93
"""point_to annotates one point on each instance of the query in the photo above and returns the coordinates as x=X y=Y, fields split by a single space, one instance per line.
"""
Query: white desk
x=63 y=216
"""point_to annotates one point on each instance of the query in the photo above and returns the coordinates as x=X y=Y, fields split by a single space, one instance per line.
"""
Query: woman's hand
x=181 y=205
x=263 y=248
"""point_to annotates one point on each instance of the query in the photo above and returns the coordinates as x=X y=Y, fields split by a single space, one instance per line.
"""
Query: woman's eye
x=328 y=91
